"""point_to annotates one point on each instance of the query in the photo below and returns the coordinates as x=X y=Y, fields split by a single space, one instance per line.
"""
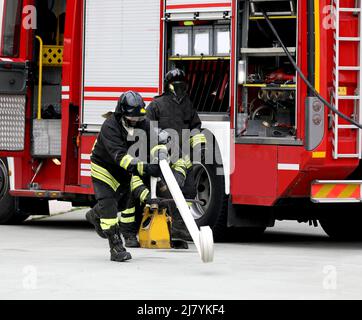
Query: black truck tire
x=8 y=212
x=210 y=188
x=209 y=182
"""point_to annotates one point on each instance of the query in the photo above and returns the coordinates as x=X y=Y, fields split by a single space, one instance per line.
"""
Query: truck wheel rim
x=203 y=189
x=3 y=179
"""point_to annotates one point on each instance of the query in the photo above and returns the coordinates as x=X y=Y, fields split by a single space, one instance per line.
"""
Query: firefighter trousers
x=131 y=216
x=131 y=213
x=108 y=201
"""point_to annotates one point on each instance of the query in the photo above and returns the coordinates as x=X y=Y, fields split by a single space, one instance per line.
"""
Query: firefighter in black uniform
x=129 y=225
x=174 y=110
x=113 y=170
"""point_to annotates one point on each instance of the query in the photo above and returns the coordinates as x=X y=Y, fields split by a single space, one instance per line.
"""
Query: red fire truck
x=282 y=153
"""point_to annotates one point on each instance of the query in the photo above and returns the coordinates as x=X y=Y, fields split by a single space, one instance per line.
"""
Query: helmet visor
x=135 y=119
x=178 y=88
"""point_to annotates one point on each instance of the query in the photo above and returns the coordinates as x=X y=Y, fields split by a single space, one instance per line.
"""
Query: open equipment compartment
x=202 y=49
x=267 y=86
x=47 y=99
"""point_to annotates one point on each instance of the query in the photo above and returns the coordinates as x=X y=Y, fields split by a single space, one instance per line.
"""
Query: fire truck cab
x=280 y=153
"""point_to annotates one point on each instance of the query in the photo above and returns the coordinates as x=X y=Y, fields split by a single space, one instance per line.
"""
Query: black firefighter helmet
x=131 y=108
x=175 y=83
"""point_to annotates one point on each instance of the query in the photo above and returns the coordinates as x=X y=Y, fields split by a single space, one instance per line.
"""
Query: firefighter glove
x=180 y=179
x=152 y=202
x=152 y=170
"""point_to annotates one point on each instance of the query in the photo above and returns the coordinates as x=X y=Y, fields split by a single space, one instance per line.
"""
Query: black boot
x=95 y=220
x=179 y=244
x=131 y=241
x=118 y=252
x=129 y=232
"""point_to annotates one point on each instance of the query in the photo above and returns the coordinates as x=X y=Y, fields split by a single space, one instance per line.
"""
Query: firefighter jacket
x=172 y=114
x=110 y=161
x=177 y=115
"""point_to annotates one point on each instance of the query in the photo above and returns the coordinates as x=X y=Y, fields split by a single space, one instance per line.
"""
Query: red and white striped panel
x=186 y=6
x=100 y=100
x=121 y=53
x=85 y=165
x=113 y=93
x=65 y=92
x=6 y=60
x=86 y=145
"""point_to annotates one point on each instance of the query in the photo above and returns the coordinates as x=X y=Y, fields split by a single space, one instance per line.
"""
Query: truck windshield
x=10 y=20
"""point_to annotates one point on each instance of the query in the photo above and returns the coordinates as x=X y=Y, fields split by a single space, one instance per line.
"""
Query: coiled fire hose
x=203 y=238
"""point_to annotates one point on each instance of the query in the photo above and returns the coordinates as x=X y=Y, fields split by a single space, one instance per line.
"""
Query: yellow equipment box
x=155 y=229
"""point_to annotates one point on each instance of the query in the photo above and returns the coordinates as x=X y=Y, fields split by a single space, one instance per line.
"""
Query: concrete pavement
x=61 y=257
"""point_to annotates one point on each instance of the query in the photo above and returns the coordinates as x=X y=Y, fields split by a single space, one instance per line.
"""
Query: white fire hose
x=202 y=238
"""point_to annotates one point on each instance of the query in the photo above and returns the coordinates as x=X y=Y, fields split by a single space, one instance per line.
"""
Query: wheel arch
x=222 y=135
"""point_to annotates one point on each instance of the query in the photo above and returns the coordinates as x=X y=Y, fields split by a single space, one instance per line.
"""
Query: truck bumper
x=341 y=191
